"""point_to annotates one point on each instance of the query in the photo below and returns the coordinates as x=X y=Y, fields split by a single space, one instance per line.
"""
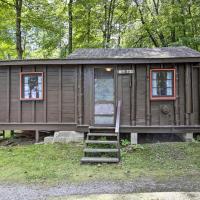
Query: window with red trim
x=162 y=83
x=31 y=85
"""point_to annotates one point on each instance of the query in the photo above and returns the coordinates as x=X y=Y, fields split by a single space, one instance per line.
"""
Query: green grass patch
x=56 y=163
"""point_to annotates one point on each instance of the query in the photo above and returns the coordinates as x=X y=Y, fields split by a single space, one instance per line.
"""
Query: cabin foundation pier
x=37 y=136
x=188 y=137
x=134 y=138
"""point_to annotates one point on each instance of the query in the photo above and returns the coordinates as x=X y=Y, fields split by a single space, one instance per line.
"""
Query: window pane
x=154 y=75
x=155 y=92
x=104 y=89
x=169 y=83
x=104 y=109
x=104 y=119
x=169 y=91
x=32 y=86
x=163 y=91
x=169 y=75
x=154 y=83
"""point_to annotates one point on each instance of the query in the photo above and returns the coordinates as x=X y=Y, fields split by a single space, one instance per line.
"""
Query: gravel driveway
x=33 y=192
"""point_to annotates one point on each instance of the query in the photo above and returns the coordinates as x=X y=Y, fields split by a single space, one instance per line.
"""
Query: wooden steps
x=101 y=146
x=102 y=129
x=103 y=134
x=90 y=150
x=100 y=142
x=99 y=160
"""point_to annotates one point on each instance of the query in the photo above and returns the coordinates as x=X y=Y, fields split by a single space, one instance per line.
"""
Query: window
x=31 y=86
x=162 y=84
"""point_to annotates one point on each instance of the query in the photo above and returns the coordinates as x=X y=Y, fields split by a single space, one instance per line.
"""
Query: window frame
x=21 y=85
x=173 y=97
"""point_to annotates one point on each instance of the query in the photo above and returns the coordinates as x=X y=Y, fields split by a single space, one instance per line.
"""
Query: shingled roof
x=135 y=53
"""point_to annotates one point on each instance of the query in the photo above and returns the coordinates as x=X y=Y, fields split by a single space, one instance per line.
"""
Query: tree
x=54 y=28
x=70 y=22
x=18 y=8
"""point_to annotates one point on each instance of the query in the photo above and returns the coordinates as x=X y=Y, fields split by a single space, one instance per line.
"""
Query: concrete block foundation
x=188 y=137
x=65 y=137
x=134 y=138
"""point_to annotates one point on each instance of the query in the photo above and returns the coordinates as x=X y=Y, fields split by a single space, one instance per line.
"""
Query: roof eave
x=99 y=61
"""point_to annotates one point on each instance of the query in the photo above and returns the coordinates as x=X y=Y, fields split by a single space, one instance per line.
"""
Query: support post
x=188 y=137
x=134 y=138
x=4 y=136
x=188 y=93
x=133 y=98
x=12 y=132
x=37 y=136
x=148 y=111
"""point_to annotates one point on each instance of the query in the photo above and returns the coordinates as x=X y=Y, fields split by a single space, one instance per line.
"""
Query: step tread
x=102 y=134
x=100 y=142
x=102 y=127
x=89 y=150
x=99 y=159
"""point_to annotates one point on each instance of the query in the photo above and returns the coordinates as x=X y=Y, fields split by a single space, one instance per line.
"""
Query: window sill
x=22 y=99
x=162 y=98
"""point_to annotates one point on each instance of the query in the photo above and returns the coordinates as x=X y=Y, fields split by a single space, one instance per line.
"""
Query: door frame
x=93 y=94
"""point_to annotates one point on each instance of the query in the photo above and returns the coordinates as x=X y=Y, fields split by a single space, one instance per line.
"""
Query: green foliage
x=96 y=24
x=125 y=142
x=198 y=138
x=53 y=163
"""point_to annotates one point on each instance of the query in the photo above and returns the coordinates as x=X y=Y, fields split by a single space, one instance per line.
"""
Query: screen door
x=104 y=108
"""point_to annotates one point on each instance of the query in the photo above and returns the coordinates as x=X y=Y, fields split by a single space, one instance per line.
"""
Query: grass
x=61 y=163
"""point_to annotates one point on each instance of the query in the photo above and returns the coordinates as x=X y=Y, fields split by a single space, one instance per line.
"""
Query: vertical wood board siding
x=68 y=96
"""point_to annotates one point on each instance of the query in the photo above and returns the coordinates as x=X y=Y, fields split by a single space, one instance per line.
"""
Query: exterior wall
x=68 y=97
x=58 y=106
x=137 y=108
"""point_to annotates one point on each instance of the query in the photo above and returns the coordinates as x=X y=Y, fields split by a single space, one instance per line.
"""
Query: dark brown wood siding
x=133 y=91
x=68 y=95
x=59 y=101
x=4 y=87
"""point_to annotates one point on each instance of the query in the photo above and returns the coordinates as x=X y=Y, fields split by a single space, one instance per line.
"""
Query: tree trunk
x=88 y=25
x=151 y=36
x=18 y=8
x=70 y=15
x=105 y=28
x=108 y=20
x=173 y=29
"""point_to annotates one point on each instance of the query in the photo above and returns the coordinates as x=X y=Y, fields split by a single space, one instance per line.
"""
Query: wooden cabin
x=136 y=90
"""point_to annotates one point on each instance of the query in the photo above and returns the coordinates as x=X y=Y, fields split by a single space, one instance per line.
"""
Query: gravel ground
x=41 y=192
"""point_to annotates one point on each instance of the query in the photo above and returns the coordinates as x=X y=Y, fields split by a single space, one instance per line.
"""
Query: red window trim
x=174 y=85
x=31 y=99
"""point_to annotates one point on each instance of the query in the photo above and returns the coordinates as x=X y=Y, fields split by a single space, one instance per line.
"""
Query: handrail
x=117 y=125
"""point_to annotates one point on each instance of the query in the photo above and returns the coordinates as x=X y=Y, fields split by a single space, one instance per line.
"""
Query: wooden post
x=33 y=102
x=199 y=93
x=133 y=98
x=188 y=93
x=60 y=94
x=8 y=94
x=76 y=95
x=37 y=136
x=45 y=94
x=148 y=114
x=176 y=104
x=4 y=134
x=80 y=95
x=20 y=104
x=12 y=133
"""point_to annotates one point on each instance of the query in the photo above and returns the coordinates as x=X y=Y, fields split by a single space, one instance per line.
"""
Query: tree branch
x=144 y=23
